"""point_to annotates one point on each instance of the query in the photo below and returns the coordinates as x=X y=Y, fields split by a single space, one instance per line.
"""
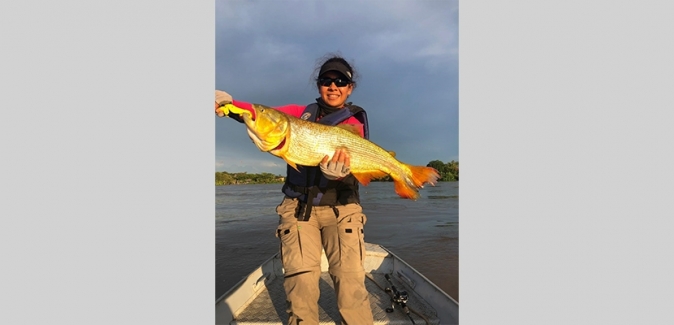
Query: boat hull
x=259 y=298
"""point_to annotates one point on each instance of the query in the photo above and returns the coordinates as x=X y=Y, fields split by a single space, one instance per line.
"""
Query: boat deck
x=269 y=305
x=260 y=299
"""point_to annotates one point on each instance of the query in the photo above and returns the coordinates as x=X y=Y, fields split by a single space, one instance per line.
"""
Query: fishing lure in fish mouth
x=230 y=108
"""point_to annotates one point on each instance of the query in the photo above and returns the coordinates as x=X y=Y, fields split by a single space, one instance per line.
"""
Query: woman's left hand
x=338 y=167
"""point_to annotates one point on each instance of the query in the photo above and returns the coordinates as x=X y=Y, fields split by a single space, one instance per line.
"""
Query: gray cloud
x=406 y=53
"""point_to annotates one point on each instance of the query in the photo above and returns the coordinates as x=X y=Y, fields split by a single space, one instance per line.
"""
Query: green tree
x=223 y=178
x=438 y=165
x=448 y=171
x=453 y=169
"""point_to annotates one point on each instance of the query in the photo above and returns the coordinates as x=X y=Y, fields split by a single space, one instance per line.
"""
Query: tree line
x=448 y=172
x=225 y=178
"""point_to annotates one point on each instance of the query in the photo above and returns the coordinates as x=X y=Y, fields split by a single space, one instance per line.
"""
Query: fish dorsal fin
x=353 y=128
x=392 y=153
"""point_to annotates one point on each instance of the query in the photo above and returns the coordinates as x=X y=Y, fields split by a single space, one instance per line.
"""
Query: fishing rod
x=397 y=297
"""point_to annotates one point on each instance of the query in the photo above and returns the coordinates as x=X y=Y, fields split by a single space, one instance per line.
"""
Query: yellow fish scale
x=309 y=142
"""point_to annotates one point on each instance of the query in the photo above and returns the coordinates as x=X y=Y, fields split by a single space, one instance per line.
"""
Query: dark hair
x=334 y=57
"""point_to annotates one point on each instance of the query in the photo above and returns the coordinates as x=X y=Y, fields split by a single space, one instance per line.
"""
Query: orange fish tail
x=422 y=175
x=408 y=187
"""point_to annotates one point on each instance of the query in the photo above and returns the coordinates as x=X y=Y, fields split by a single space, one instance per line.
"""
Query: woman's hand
x=338 y=167
x=221 y=98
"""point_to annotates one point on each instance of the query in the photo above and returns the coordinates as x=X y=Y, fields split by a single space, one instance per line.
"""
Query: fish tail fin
x=422 y=175
x=408 y=188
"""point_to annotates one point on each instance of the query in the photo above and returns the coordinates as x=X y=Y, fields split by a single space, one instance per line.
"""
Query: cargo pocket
x=291 y=250
x=363 y=220
x=351 y=245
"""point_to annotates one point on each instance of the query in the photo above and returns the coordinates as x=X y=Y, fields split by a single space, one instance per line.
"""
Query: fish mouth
x=265 y=115
x=248 y=116
x=268 y=131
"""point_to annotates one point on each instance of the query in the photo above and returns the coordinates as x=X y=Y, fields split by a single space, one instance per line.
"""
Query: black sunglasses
x=339 y=82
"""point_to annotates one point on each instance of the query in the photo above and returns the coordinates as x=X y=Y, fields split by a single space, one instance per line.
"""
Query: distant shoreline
x=448 y=172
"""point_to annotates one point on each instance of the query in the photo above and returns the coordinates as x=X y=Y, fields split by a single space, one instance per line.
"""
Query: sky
x=406 y=53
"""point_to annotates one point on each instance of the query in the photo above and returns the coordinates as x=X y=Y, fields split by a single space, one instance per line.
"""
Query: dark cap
x=336 y=66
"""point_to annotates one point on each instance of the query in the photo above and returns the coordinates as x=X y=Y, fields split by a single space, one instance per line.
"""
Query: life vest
x=309 y=184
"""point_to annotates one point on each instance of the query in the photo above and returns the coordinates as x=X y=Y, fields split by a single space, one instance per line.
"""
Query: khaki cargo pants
x=340 y=233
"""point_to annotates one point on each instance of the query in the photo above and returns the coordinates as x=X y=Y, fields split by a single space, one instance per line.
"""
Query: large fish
x=301 y=142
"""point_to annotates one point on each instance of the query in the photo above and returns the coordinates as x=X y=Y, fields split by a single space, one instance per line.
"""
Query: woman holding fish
x=321 y=207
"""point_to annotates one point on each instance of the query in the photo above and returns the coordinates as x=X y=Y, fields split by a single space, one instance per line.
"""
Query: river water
x=424 y=233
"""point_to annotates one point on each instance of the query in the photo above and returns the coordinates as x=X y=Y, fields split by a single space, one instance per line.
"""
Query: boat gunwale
x=426 y=280
x=243 y=279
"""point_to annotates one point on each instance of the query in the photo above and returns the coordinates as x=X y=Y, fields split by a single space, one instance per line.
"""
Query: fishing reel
x=397 y=297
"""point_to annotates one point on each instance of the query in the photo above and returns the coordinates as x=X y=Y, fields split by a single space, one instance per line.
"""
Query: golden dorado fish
x=301 y=142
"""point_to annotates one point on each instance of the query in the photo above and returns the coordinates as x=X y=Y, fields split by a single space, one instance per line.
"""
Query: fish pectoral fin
x=291 y=164
x=353 y=128
x=365 y=177
x=406 y=190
